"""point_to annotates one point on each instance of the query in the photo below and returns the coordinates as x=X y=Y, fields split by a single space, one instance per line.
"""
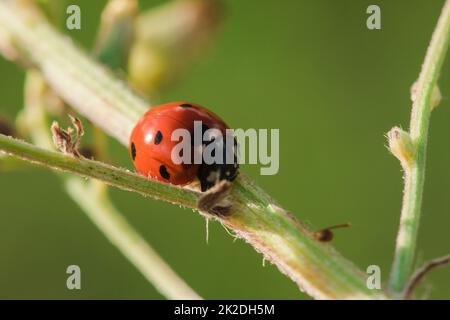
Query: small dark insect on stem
x=420 y=274
x=326 y=235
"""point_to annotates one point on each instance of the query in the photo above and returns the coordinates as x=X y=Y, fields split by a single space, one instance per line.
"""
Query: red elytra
x=151 y=144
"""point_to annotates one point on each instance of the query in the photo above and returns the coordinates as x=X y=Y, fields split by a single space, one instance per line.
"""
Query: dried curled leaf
x=67 y=140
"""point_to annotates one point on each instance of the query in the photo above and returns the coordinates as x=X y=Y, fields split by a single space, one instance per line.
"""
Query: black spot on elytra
x=133 y=151
x=185 y=105
x=158 y=137
x=163 y=172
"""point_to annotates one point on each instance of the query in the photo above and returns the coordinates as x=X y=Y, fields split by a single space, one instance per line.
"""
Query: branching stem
x=108 y=102
x=415 y=174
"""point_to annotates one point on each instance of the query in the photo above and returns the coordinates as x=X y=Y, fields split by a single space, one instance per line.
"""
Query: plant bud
x=148 y=67
x=401 y=146
x=436 y=96
x=116 y=33
x=170 y=37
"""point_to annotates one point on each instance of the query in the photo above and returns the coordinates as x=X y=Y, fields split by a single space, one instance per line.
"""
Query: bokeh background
x=311 y=69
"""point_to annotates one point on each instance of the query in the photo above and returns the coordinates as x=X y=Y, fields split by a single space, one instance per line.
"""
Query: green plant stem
x=415 y=176
x=257 y=219
x=316 y=267
x=116 y=177
x=92 y=196
x=95 y=92
x=93 y=199
x=103 y=213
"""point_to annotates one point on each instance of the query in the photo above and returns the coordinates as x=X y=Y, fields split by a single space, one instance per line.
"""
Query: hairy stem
x=117 y=177
x=415 y=174
x=111 y=222
x=92 y=196
x=90 y=89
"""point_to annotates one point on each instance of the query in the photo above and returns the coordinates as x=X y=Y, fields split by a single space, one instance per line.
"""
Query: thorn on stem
x=422 y=272
x=66 y=140
x=326 y=235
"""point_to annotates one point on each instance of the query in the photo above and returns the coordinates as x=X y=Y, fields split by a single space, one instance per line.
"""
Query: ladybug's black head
x=211 y=174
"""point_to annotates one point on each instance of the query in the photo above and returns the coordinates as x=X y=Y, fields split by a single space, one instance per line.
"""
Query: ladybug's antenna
x=326 y=235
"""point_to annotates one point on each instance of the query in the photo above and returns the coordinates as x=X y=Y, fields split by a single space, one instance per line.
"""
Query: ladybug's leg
x=210 y=201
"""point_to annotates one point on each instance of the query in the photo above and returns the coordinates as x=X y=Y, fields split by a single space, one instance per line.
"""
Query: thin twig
x=419 y=274
x=415 y=171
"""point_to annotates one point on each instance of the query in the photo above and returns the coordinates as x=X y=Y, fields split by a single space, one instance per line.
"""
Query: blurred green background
x=311 y=69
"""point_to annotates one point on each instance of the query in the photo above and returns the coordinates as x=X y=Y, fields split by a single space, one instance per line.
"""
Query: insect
x=326 y=235
x=151 y=146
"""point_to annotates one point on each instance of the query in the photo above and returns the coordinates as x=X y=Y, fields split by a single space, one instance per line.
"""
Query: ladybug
x=151 y=146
